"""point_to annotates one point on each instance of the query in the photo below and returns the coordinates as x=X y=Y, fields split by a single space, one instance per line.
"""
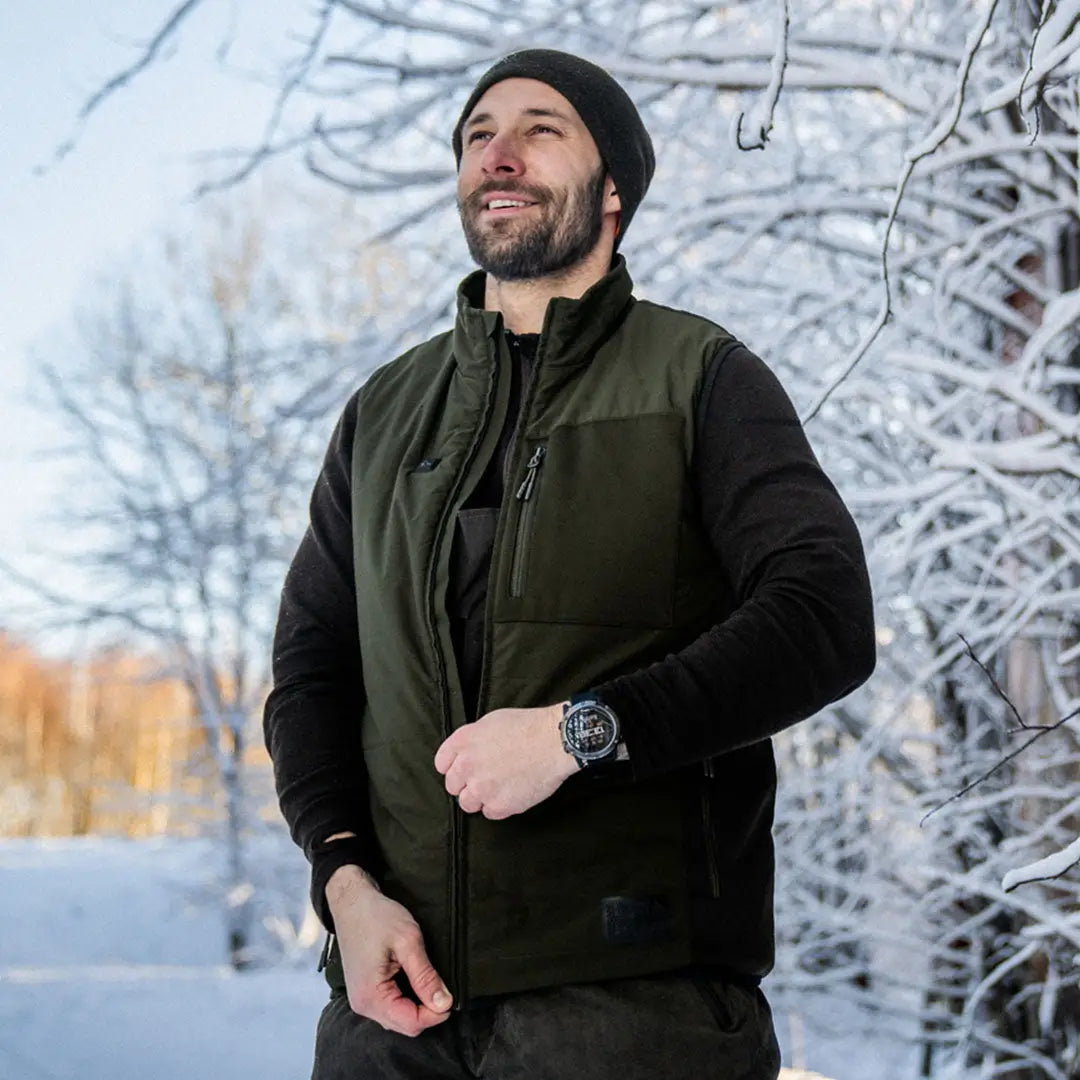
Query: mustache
x=475 y=201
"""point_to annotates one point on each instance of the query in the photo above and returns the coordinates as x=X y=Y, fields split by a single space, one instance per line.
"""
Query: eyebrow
x=486 y=118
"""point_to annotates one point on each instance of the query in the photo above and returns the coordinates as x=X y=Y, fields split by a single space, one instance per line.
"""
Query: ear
x=611 y=201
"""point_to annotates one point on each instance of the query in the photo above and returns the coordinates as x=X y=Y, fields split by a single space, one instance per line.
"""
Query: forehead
x=512 y=97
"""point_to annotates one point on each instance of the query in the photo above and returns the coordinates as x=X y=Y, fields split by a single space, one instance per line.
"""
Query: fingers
x=396 y=1012
x=457 y=785
x=470 y=802
x=455 y=779
x=385 y=1003
x=444 y=756
x=423 y=978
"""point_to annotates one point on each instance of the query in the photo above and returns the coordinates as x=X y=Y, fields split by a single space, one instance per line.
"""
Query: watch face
x=590 y=730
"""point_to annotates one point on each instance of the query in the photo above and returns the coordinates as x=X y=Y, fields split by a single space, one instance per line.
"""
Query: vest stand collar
x=572 y=327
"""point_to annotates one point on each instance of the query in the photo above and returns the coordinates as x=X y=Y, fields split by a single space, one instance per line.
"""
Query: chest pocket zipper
x=525 y=495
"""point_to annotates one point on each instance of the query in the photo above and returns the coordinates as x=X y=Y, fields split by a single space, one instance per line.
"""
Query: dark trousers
x=666 y=1027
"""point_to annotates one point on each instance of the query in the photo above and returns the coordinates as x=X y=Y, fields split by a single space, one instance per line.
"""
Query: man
x=570 y=565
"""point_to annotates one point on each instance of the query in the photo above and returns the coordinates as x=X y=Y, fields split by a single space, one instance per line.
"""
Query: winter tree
x=196 y=393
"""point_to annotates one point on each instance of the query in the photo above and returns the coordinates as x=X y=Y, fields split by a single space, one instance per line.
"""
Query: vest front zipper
x=457 y=944
x=524 y=495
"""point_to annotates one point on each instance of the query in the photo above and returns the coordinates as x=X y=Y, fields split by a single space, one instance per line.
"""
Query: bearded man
x=570 y=565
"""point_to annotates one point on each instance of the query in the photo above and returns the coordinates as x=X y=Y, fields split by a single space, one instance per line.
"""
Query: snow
x=208 y=1024
x=1052 y=866
x=112 y=965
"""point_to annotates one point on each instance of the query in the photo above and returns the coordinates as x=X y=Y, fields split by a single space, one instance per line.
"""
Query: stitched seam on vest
x=570 y=426
x=570 y=621
x=716 y=362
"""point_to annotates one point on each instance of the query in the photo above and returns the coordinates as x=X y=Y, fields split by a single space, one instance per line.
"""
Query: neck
x=524 y=303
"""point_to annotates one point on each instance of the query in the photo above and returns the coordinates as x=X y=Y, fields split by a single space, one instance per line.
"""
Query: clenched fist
x=506 y=762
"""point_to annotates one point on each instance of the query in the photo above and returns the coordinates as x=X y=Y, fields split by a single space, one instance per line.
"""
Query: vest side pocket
x=708 y=828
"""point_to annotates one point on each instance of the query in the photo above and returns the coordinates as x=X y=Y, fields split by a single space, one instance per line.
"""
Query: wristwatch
x=590 y=731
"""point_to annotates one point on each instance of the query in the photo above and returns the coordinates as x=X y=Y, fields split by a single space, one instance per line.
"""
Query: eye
x=546 y=127
x=477 y=134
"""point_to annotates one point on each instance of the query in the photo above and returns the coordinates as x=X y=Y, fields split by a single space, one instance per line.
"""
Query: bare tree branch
x=125 y=76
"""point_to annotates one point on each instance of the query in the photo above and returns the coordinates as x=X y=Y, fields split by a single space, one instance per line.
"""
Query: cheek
x=466 y=181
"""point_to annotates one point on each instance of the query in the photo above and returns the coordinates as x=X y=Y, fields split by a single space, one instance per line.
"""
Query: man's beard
x=567 y=230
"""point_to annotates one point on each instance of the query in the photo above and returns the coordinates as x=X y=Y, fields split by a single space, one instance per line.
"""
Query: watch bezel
x=579 y=705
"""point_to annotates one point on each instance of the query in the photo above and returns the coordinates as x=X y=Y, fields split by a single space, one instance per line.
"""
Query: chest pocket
x=598 y=539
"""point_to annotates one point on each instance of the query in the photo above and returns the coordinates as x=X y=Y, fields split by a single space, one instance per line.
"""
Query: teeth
x=498 y=204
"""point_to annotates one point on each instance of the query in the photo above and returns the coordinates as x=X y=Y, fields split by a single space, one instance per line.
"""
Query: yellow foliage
x=100 y=745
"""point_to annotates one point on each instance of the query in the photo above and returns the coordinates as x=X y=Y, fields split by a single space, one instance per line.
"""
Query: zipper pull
x=325 y=957
x=525 y=491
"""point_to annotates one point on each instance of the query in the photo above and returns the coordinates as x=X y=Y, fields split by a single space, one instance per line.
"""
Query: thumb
x=424 y=979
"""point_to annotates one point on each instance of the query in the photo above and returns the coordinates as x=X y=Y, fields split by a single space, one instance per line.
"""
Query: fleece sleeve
x=311 y=722
x=801 y=632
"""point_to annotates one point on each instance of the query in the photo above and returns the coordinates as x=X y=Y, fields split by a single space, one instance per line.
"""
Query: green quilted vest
x=599 y=567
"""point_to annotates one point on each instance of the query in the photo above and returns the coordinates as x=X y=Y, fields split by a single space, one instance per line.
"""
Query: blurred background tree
x=197 y=390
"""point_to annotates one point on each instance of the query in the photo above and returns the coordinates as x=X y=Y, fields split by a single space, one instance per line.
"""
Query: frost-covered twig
x=761 y=121
x=1023 y=725
x=1045 y=869
x=929 y=144
x=1039 y=733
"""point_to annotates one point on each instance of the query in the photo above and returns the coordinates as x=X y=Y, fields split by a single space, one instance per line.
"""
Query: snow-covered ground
x=112 y=967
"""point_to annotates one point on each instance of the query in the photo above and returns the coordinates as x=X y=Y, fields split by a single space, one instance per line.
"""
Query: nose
x=501 y=156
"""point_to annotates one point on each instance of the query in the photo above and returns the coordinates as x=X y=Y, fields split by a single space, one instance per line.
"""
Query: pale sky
x=132 y=167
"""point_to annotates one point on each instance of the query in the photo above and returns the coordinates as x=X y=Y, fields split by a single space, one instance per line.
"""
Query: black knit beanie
x=603 y=105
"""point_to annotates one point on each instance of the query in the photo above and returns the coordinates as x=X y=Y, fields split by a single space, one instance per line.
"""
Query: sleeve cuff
x=328 y=856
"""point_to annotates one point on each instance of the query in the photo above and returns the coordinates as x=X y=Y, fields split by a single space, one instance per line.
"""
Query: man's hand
x=377 y=938
x=506 y=762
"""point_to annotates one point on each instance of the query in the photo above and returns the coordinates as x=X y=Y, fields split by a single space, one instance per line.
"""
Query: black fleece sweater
x=801 y=634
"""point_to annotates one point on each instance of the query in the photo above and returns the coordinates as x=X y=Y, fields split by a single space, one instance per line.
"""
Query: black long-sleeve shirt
x=800 y=636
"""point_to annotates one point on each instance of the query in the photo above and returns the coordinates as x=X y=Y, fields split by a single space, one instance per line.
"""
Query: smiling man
x=570 y=565
x=521 y=230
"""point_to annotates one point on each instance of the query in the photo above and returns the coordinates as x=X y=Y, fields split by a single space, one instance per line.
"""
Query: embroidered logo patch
x=636 y=920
